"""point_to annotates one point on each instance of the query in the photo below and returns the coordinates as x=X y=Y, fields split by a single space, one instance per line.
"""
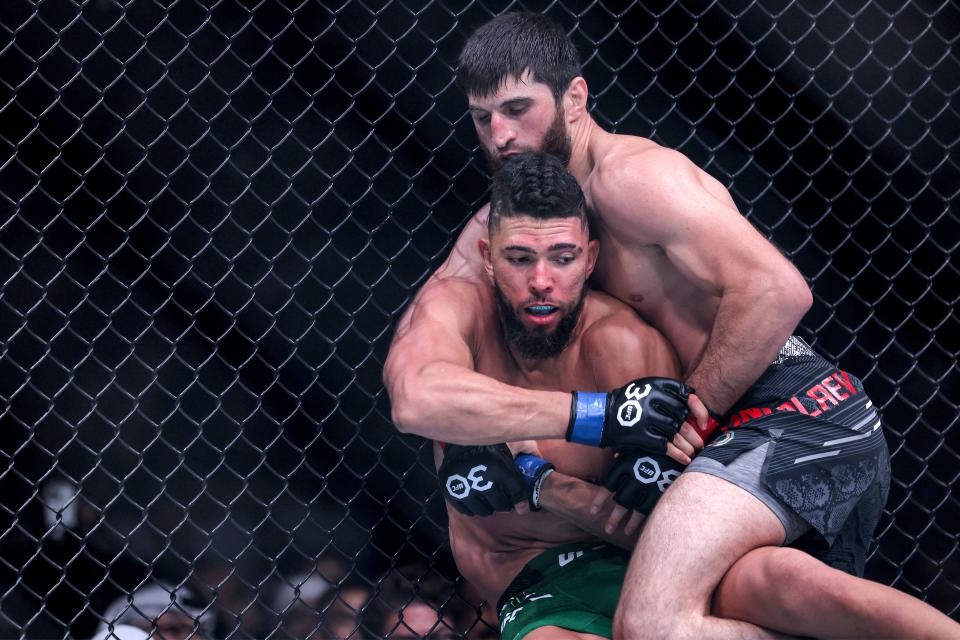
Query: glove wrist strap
x=533 y=470
x=586 y=418
x=536 y=489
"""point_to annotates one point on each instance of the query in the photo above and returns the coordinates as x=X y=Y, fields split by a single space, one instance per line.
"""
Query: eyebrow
x=515 y=101
x=512 y=102
x=560 y=246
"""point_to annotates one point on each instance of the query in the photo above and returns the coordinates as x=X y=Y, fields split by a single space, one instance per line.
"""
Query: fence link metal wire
x=214 y=212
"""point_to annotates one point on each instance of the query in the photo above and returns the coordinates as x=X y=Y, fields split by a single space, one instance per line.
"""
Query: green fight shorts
x=573 y=586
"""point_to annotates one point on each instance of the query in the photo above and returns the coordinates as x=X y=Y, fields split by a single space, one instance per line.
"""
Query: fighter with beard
x=537 y=327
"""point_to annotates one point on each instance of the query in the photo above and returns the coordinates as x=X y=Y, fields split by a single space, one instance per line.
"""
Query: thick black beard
x=556 y=142
x=536 y=344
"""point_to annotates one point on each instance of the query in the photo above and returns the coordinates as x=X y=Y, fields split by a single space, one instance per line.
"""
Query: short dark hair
x=535 y=185
x=511 y=43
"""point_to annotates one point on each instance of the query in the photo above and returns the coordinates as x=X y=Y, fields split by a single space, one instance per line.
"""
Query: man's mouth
x=541 y=313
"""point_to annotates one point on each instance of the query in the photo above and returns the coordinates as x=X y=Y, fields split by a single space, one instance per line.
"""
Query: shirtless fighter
x=538 y=327
x=550 y=333
x=803 y=459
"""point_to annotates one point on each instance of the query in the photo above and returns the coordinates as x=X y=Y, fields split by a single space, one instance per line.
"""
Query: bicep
x=717 y=247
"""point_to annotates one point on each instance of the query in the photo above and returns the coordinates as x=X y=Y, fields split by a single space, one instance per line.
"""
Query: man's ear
x=593 y=250
x=484 y=245
x=575 y=99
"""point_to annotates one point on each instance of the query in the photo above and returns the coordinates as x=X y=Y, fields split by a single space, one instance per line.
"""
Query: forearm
x=453 y=404
x=571 y=498
x=748 y=333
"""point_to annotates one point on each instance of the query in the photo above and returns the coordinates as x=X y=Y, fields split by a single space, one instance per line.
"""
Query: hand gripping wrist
x=587 y=414
x=534 y=470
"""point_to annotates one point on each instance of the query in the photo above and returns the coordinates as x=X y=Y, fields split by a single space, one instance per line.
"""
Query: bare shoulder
x=618 y=345
x=453 y=303
x=627 y=159
x=634 y=157
x=463 y=293
x=640 y=187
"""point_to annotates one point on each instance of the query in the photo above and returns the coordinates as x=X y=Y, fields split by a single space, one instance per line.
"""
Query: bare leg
x=700 y=528
x=793 y=592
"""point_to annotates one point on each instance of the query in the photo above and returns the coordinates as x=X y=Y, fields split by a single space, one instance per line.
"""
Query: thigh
x=698 y=530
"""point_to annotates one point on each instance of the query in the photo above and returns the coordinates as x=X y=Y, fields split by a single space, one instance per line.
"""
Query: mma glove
x=481 y=480
x=637 y=479
x=645 y=414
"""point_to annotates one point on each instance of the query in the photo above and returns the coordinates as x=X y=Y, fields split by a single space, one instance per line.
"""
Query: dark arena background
x=214 y=213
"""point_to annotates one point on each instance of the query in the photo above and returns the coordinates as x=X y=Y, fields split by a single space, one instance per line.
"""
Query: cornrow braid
x=535 y=185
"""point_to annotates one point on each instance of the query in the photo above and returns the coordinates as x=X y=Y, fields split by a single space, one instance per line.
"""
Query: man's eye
x=565 y=259
x=516 y=111
x=481 y=118
x=518 y=259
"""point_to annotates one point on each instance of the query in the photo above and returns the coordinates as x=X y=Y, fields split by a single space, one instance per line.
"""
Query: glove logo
x=459 y=487
x=630 y=411
x=667 y=479
x=722 y=440
x=646 y=470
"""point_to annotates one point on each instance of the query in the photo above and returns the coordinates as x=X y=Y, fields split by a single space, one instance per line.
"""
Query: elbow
x=404 y=413
x=792 y=297
x=411 y=413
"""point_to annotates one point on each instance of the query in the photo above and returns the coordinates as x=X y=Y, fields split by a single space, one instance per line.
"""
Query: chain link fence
x=214 y=212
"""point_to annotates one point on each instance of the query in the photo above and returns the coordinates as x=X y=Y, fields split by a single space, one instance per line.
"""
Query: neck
x=539 y=371
x=535 y=371
x=582 y=133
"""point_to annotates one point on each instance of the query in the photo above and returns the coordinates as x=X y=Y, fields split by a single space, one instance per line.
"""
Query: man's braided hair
x=535 y=185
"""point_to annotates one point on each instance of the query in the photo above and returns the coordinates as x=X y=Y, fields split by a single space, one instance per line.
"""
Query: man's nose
x=541 y=279
x=501 y=130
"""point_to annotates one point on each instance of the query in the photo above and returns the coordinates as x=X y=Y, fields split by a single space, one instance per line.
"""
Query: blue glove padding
x=645 y=414
x=534 y=470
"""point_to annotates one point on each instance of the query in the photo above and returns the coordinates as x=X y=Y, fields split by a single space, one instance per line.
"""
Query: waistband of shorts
x=545 y=563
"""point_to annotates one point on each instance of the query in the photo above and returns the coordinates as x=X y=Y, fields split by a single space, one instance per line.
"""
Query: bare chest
x=645 y=278
x=587 y=463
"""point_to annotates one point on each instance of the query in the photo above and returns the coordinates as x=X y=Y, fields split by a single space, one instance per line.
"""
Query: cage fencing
x=214 y=213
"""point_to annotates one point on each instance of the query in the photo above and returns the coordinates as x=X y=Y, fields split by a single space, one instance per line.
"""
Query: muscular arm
x=762 y=296
x=434 y=390
x=571 y=499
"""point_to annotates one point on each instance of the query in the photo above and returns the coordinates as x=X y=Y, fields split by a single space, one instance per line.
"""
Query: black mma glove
x=481 y=480
x=645 y=414
x=638 y=479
